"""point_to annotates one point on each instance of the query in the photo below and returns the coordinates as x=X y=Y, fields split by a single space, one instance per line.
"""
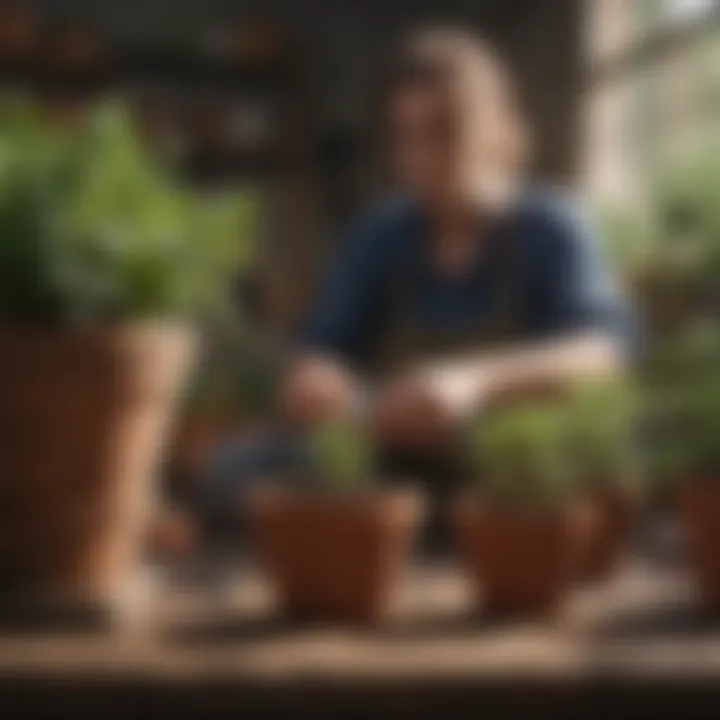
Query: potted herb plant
x=699 y=455
x=104 y=261
x=334 y=547
x=520 y=532
x=604 y=436
x=687 y=452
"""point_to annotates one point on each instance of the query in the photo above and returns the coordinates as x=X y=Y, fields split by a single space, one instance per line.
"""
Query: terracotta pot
x=612 y=511
x=83 y=420
x=700 y=510
x=335 y=557
x=521 y=561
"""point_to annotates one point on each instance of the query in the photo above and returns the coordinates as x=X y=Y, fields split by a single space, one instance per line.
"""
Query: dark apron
x=405 y=341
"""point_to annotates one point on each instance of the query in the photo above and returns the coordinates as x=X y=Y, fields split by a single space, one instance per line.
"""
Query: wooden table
x=637 y=642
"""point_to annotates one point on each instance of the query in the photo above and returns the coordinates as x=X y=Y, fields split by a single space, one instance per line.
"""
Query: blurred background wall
x=332 y=55
x=277 y=95
x=277 y=98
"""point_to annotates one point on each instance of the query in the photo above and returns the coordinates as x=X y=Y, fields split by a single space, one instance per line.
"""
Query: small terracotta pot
x=335 y=557
x=83 y=419
x=521 y=561
x=700 y=510
x=611 y=511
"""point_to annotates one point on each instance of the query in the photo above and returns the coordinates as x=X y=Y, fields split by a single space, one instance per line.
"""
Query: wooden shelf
x=234 y=78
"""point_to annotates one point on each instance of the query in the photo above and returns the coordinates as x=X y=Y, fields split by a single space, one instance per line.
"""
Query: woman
x=466 y=283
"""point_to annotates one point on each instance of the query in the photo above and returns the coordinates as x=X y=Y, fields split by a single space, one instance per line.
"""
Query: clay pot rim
x=475 y=501
x=94 y=332
x=369 y=494
x=408 y=499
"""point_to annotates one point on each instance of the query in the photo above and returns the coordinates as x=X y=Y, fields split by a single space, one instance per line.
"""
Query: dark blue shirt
x=562 y=279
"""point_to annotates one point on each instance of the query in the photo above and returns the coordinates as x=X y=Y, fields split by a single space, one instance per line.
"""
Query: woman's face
x=424 y=144
x=445 y=153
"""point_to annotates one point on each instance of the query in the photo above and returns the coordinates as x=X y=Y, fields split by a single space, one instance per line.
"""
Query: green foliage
x=539 y=453
x=604 y=421
x=93 y=229
x=688 y=427
x=686 y=199
x=692 y=353
x=689 y=195
x=630 y=238
x=685 y=390
x=668 y=244
x=342 y=455
x=522 y=454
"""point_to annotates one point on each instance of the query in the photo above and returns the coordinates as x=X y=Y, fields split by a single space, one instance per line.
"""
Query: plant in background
x=522 y=454
x=94 y=230
x=687 y=201
x=341 y=455
x=604 y=417
x=683 y=357
x=605 y=421
x=668 y=247
x=687 y=428
x=689 y=195
x=682 y=376
x=631 y=237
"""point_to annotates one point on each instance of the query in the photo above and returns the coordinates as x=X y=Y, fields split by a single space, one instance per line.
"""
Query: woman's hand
x=409 y=413
x=315 y=390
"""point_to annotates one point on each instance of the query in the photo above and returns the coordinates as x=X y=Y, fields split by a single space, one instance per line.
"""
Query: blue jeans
x=238 y=466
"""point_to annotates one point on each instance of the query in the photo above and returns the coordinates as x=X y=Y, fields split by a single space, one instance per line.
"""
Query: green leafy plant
x=604 y=423
x=94 y=229
x=688 y=427
x=684 y=356
x=668 y=245
x=685 y=410
x=688 y=194
x=631 y=237
x=341 y=455
x=687 y=198
x=521 y=453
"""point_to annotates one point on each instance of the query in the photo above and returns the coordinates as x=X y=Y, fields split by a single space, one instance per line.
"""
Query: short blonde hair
x=466 y=66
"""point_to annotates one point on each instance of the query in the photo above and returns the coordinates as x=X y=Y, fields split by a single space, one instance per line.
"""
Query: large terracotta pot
x=83 y=419
x=612 y=511
x=700 y=510
x=520 y=561
x=335 y=557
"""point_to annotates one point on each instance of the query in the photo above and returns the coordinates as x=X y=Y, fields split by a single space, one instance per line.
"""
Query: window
x=653 y=95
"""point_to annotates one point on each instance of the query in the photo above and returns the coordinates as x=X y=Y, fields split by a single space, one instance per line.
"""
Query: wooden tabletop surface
x=644 y=622
x=217 y=640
